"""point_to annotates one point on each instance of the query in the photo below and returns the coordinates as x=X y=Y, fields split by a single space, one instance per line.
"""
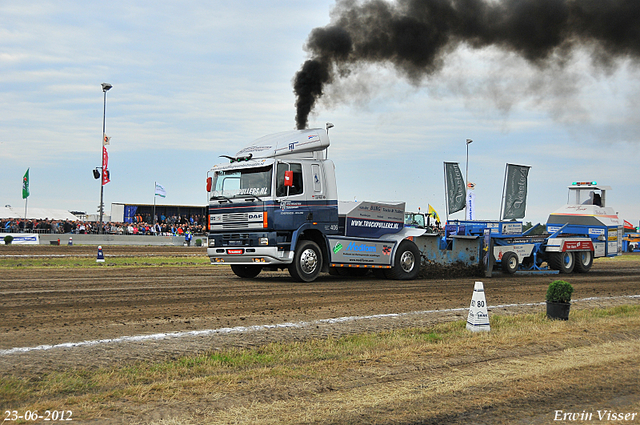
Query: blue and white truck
x=274 y=205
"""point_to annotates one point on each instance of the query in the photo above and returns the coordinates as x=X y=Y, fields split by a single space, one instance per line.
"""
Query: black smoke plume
x=415 y=36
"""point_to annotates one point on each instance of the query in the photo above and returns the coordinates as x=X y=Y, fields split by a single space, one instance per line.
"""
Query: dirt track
x=53 y=305
x=48 y=306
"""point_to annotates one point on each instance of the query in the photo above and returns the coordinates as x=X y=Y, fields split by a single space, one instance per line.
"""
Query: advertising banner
x=471 y=205
x=454 y=182
x=354 y=251
x=25 y=238
x=105 y=165
x=487 y=250
x=515 y=191
x=130 y=213
x=374 y=219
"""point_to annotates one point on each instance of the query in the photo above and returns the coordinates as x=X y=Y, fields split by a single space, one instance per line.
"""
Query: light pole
x=105 y=88
x=466 y=184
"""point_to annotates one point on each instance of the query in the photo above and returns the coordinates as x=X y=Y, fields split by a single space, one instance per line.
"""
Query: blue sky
x=195 y=80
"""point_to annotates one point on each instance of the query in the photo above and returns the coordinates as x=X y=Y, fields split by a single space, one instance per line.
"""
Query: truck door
x=291 y=199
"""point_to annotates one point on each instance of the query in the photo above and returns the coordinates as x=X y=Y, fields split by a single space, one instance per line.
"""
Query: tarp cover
x=36 y=213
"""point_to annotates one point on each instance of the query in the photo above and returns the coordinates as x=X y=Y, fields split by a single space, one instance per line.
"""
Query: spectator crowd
x=164 y=226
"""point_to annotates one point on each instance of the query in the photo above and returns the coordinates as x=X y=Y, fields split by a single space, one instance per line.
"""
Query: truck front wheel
x=562 y=261
x=407 y=262
x=307 y=262
x=247 y=272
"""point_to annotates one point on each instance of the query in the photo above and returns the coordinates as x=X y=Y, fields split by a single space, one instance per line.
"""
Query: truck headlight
x=263 y=241
x=212 y=242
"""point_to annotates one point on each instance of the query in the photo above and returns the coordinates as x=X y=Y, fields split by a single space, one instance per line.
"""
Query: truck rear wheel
x=246 y=272
x=407 y=262
x=307 y=262
x=584 y=261
x=509 y=262
x=562 y=261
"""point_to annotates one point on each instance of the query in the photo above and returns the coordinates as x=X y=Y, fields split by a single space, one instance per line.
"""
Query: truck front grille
x=236 y=239
x=236 y=221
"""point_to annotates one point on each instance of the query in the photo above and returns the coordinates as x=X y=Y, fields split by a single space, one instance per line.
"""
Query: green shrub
x=198 y=242
x=559 y=291
x=8 y=239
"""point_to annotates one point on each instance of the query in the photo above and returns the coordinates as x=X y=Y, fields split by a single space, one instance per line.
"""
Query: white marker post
x=478 y=319
x=100 y=258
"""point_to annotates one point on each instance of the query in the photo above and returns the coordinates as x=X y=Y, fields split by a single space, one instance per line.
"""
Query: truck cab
x=413 y=219
x=267 y=196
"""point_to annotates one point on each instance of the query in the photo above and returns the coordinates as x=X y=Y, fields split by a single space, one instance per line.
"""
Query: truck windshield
x=254 y=182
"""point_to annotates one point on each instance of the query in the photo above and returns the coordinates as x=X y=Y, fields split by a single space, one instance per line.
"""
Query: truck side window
x=297 y=188
x=317 y=178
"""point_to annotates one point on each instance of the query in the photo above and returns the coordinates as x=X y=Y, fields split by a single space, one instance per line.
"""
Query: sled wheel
x=562 y=261
x=509 y=262
x=584 y=261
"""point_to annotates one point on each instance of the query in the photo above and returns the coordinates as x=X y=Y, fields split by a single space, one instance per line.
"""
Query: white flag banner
x=160 y=191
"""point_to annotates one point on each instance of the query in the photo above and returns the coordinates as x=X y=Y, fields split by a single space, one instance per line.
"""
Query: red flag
x=105 y=163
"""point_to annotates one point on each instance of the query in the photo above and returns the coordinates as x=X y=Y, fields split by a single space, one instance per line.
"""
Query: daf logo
x=254 y=216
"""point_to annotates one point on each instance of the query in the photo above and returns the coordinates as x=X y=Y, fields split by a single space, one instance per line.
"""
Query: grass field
x=441 y=374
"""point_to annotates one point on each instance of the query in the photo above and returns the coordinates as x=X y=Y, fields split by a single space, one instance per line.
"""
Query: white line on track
x=258 y=328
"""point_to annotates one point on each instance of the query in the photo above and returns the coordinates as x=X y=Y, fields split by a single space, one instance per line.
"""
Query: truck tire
x=562 y=261
x=247 y=272
x=584 y=261
x=407 y=262
x=307 y=262
x=509 y=262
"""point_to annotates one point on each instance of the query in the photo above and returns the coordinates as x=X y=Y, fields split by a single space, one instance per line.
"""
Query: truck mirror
x=209 y=183
x=288 y=178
